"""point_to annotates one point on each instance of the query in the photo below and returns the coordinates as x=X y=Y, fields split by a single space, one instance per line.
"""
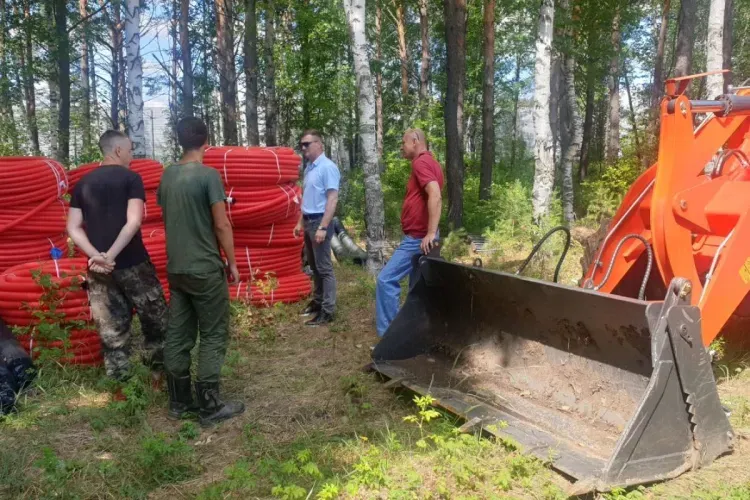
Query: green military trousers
x=198 y=302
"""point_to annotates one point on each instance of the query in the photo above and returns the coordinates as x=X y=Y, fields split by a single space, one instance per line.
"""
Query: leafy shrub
x=601 y=193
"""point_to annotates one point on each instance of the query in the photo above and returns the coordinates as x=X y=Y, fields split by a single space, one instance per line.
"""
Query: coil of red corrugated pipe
x=18 y=286
x=32 y=209
x=263 y=208
x=156 y=246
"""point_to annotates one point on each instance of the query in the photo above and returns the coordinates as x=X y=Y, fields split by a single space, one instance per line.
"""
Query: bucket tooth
x=608 y=385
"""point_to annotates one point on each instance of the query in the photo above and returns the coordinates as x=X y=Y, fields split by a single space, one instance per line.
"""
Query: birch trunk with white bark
x=573 y=127
x=374 y=207
x=544 y=171
x=136 y=127
x=715 y=48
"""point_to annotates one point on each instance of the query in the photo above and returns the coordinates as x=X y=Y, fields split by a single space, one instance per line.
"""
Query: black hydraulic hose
x=541 y=242
x=642 y=291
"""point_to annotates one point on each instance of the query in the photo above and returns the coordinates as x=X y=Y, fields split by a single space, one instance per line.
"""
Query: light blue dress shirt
x=320 y=176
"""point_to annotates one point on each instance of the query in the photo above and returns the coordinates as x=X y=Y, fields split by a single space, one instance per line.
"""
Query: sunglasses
x=305 y=145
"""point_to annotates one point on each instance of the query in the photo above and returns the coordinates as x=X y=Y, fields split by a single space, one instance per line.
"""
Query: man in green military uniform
x=191 y=196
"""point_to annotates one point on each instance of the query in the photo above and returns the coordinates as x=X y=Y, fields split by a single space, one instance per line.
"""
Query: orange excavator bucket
x=611 y=381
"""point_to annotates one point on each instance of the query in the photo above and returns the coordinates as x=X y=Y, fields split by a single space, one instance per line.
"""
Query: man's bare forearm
x=78 y=235
x=226 y=239
x=126 y=235
x=434 y=206
x=330 y=210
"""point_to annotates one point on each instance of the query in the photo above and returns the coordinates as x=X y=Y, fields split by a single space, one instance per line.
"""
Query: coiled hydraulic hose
x=649 y=263
x=539 y=245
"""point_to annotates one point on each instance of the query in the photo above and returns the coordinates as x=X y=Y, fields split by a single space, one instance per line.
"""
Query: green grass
x=316 y=426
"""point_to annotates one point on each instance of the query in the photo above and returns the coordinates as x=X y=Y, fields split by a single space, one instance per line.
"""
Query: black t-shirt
x=102 y=195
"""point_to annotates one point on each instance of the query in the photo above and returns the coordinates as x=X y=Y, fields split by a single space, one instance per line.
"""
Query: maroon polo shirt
x=414 y=214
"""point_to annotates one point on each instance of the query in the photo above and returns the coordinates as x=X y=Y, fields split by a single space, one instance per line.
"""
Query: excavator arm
x=690 y=210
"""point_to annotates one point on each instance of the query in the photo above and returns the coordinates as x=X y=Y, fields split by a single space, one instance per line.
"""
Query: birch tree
x=374 y=208
x=136 y=128
x=544 y=171
x=613 y=135
x=573 y=126
x=714 y=48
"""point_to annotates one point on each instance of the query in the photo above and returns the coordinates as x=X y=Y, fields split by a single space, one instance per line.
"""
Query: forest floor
x=316 y=426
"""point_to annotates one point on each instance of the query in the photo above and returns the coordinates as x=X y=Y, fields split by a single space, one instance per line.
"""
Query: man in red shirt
x=420 y=216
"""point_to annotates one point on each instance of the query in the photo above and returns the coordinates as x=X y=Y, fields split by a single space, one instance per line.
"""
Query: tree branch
x=102 y=6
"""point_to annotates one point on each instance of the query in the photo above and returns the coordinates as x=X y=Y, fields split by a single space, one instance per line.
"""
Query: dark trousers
x=113 y=297
x=319 y=259
x=198 y=302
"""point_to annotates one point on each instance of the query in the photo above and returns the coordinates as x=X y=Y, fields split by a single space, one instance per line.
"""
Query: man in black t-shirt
x=106 y=210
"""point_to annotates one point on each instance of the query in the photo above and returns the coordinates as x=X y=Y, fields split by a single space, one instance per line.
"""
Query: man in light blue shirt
x=320 y=194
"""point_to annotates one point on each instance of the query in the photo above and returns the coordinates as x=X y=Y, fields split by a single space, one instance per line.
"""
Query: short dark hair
x=312 y=132
x=191 y=133
x=108 y=140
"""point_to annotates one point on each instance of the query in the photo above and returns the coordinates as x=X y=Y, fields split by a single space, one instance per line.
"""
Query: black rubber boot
x=213 y=409
x=181 y=402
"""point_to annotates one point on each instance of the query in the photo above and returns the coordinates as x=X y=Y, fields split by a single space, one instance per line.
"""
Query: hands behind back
x=101 y=264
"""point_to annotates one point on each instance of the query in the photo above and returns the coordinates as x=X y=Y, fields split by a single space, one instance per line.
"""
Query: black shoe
x=323 y=318
x=181 y=402
x=312 y=308
x=213 y=409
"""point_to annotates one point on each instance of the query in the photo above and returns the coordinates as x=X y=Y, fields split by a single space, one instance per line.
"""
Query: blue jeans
x=388 y=289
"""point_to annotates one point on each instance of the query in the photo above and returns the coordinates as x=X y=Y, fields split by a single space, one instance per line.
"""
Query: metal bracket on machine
x=677 y=86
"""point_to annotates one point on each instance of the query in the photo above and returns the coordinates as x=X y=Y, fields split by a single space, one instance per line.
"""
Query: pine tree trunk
x=379 y=76
x=727 y=43
x=573 y=128
x=272 y=116
x=227 y=71
x=136 y=127
x=424 y=70
x=27 y=69
x=488 y=103
x=113 y=24
x=374 y=208
x=455 y=37
x=685 y=37
x=187 y=60
x=544 y=172
x=85 y=77
x=402 y=54
x=251 y=73
x=715 y=49
x=6 y=109
x=62 y=54
x=613 y=137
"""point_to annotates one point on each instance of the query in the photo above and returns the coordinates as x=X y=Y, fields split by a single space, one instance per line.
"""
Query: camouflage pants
x=113 y=298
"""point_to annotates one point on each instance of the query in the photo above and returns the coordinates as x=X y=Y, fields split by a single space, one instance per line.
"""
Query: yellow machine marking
x=745 y=272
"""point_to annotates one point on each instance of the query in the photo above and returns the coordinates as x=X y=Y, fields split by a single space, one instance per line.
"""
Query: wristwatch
x=322 y=228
